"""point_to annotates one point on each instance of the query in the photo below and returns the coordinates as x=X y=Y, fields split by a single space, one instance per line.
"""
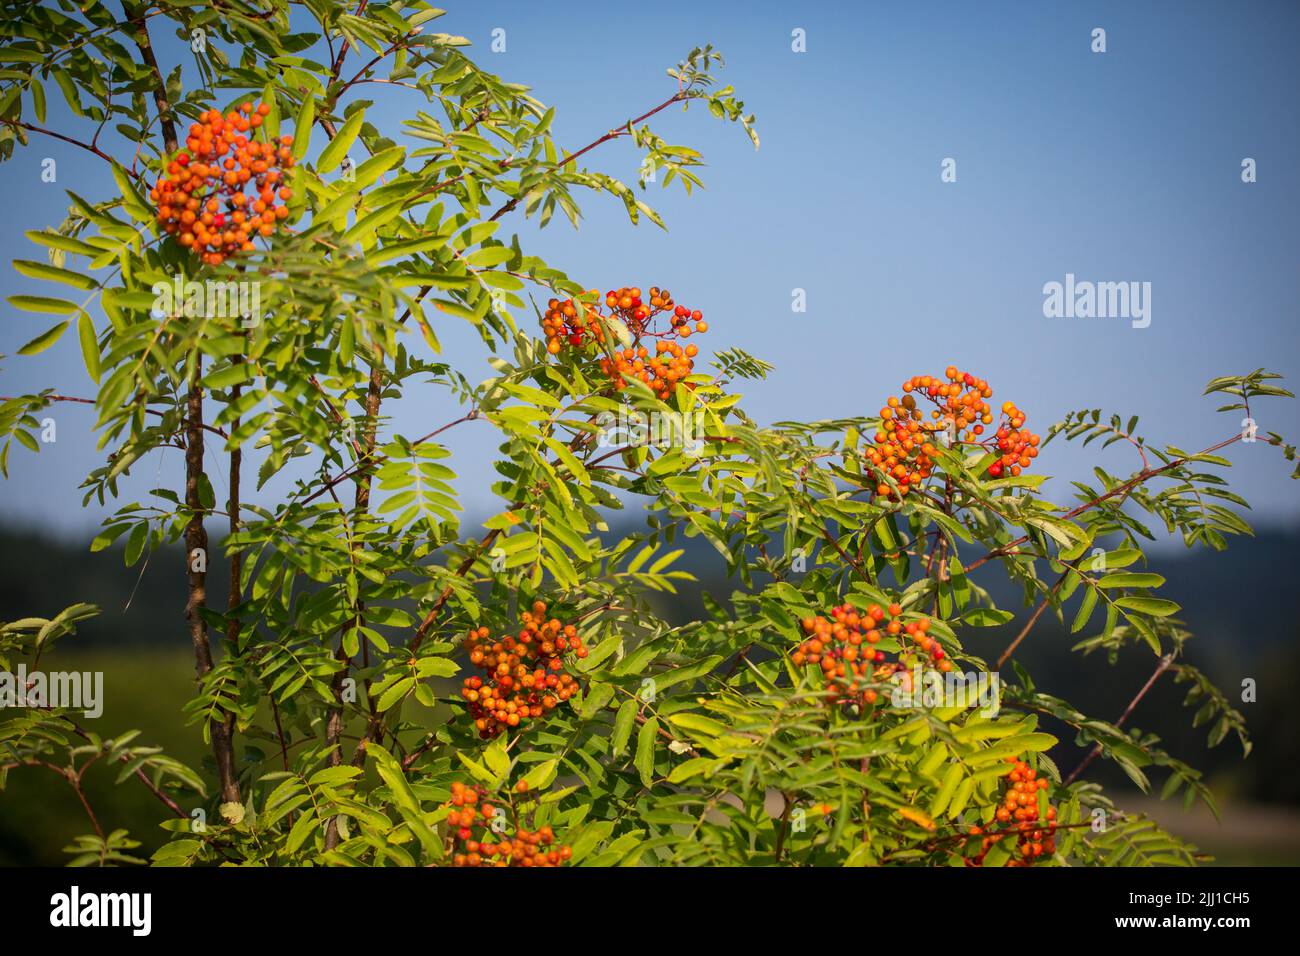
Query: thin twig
x=1029 y=625
x=1139 y=478
x=1161 y=667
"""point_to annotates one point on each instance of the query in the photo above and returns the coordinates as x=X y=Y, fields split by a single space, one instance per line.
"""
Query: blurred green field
x=144 y=689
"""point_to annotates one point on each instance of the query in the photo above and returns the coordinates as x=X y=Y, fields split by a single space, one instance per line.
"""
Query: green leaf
x=53 y=240
x=338 y=147
x=393 y=694
x=41 y=303
x=540 y=777
x=986 y=617
x=599 y=654
x=1156 y=607
x=408 y=805
x=230 y=375
x=89 y=345
x=594 y=700
x=45 y=339
x=43 y=270
x=623 y=721
x=477 y=770
x=1131 y=580
x=498 y=761
x=378 y=164
x=302 y=829
x=691 y=768
x=1086 y=607
x=947 y=788
x=135 y=543
x=302 y=128
x=490 y=256
x=271 y=122
x=645 y=750
x=135 y=204
x=1120 y=558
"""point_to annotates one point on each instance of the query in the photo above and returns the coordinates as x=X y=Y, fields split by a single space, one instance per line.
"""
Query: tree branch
x=1161 y=667
x=89 y=147
x=196 y=540
x=136 y=15
x=361 y=505
x=1029 y=625
x=1142 y=476
x=612 y=134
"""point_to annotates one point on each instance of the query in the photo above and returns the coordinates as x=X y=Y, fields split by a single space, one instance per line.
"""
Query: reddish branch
x=1145 y=475
x=830 y=539
x=89 y=147
x=1029 y=625
x=1013 y=830
x=236 y=556
x=1161 y=667
x=343 y=50
x=612 y=134
x=91 y=401
x=196 y=536
x=372 y=460
x=423 y=630
x=139 y=774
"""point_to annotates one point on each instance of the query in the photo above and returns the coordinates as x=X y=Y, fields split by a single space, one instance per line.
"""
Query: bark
x=361 y=505
x=136 y=15
x=196 y=539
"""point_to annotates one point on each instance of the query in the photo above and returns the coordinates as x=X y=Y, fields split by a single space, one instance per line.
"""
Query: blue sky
x=1115 y=166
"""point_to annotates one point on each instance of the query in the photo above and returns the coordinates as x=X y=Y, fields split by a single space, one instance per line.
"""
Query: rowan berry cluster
x=202 y=199
x=1019 y=814
x=1018 y=446
x=905 y=445
x=671 y=362
x=845 y=649
x=477 y=842
x=577 y=325
x=571 y=323
x=524 y=676
x=638 y=316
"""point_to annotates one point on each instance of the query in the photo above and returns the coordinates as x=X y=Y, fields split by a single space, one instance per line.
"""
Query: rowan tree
x=388 y=684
